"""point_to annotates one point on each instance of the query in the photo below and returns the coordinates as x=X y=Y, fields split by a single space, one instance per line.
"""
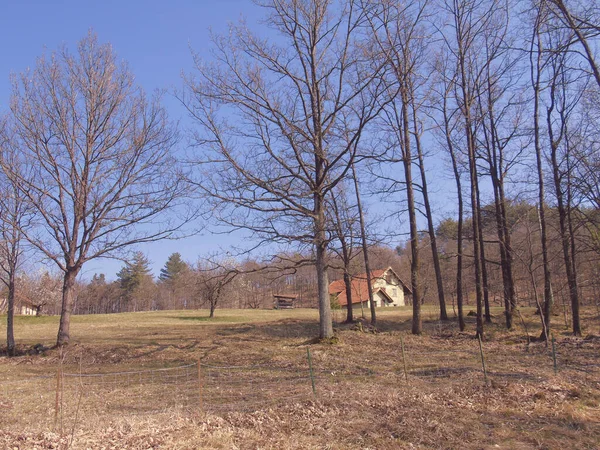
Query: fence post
x=554 y=355
x=200 y=387
x=404 y=359
x=310 y=368
x=58 y=397
x=482 y=359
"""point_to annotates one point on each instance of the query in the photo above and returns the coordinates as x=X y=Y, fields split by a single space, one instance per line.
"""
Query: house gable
x=390 y=289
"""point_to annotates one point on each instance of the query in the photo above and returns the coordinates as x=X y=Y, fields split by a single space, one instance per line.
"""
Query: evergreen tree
x=174 y=267
x=132 y=276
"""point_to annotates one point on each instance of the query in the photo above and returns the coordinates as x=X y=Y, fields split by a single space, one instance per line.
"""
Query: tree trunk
x=68 y=293
x=325 y=320
x=484 y=272
x=348 y=284
x=535 y=81
x=476 y=227
x=563 y=216
x=363 y=234
x=412 y=217
x=346 y=258
x=570 y=270
x=502 y=231
x=509 y=286
x=10 y=314
x=430 y=228
x=575 y=300
x=459 y=238
x=479 y=225
x=459 y=261
x=589 y=53
x=466 y=102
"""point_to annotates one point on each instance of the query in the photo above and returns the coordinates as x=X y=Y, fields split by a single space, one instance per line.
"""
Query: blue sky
x=154 y=37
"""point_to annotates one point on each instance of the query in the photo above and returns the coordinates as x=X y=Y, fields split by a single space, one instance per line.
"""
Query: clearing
x=133 y=381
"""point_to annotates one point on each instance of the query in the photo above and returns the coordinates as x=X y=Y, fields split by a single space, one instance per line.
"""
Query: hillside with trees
x=456 y=141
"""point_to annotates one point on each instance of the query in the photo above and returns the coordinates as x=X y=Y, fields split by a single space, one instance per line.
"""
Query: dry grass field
x=132 y=381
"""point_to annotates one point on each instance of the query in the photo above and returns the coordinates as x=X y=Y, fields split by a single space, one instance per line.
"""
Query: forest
x=454 y=140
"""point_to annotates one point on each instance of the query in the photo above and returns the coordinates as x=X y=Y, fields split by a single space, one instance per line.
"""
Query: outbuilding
x=284 y=301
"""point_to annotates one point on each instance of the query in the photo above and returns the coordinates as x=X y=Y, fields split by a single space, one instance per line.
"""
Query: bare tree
x=344 y=221
x=430 y=221
x=470 y=23
x=402 y=41
x=500 y=116
x=15 y=215
x=211 y=280
x=279 y=123
x=536 y=63
x=99 y=169
x=365 y=247
x=585 y=25
x=558 y=115
x=449 y=126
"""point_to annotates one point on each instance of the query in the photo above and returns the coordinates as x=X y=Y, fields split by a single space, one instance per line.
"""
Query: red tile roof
x=360 y=292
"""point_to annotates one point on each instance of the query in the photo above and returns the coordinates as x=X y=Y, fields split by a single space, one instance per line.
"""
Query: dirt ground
x=254 y=389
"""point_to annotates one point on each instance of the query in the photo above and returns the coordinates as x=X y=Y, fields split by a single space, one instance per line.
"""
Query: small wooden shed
x=284 y=301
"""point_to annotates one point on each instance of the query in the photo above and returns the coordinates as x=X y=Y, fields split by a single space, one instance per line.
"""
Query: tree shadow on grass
x=309 y=329
x=289 y=329
x=236 y=330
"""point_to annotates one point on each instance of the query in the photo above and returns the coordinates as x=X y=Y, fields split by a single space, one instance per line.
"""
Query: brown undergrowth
x=257 y=393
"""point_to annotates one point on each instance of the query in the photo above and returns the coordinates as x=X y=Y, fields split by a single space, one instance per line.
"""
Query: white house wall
x=393 y=289
x=27 y=311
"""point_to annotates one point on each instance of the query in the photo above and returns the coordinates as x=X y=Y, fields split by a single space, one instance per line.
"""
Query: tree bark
x=536 y=72
x=495 y=156
x=459 y=237
x=484 y=272
x=575 y=300
x=347 y=249
x=466 y=103
x=430 y=227
x=10 y=315
x=363 y=234
x=505 y=251
x=412 y=217
x=348 y=284
x=476 y=228
x=563 y=211
x=589 y=54
x=68 y=294
x=565 y=241
x=325 y=319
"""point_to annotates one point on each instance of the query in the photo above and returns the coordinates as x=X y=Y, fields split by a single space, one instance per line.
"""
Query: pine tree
x=174 y=267
x=133 y=275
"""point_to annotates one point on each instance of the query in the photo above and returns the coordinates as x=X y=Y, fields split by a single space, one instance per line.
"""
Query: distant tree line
x=505 y=93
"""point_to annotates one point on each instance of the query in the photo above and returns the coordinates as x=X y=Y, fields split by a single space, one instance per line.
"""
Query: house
x=23 y=306
x=28 y=309
x=284 y=301
x=388 y=289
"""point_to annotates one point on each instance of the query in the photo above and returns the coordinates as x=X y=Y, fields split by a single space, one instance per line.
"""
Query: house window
x=394 y=292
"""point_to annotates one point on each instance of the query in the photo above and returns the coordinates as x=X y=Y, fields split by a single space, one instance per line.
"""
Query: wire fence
x=63 y=398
